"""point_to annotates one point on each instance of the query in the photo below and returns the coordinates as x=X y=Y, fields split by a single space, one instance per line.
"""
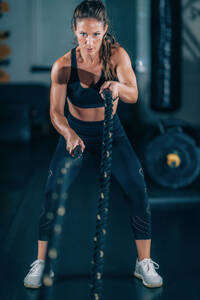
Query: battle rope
x=60 y=196
x=102 y=214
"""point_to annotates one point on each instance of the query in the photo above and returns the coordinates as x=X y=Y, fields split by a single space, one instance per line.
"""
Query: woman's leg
x=143 y=248
x=42 y=249
x=128 y=171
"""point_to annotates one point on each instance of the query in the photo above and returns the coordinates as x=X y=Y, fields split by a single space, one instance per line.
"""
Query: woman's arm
x=59 y=78
x=126 y=89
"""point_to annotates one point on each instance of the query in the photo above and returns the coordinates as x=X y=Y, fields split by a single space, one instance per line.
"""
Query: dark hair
x=96 y=9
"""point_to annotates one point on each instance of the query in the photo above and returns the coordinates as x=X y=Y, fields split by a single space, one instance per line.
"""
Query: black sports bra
x=79 y=96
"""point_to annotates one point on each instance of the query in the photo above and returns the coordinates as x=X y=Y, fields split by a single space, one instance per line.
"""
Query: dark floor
x=175 y=228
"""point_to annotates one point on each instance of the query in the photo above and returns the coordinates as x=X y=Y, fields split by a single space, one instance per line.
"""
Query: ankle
x=142 y=257
x=42 y=258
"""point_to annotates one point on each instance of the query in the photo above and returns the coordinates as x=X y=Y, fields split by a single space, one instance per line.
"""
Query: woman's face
x=89 y=33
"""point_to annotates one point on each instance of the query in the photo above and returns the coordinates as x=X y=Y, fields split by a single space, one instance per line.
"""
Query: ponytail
x=108 y=44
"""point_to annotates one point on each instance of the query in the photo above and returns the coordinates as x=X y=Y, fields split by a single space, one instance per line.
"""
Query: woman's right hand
x=72 y=141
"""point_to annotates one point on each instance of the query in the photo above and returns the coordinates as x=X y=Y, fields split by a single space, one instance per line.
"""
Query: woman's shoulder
x=118 y=53
x=62 y=66
x=64 y=60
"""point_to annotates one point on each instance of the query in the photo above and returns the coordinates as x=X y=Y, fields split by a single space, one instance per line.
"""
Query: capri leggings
x=126 y=168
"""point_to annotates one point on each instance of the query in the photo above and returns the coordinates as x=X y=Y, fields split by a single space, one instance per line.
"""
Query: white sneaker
x=144 y=269
x=34 y=277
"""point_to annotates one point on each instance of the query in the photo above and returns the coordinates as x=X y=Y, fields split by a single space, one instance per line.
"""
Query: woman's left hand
x=113 y=86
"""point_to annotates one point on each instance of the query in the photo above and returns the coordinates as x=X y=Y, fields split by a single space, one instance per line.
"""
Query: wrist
x=67 y=132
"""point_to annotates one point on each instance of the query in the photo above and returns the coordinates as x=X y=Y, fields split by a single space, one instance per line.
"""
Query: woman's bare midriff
x=89 y=114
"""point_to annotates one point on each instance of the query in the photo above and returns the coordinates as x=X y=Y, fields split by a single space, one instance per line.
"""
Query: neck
x=88 y=58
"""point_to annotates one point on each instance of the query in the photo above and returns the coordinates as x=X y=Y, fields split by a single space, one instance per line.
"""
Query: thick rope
x=60 y=196
x=102 y=214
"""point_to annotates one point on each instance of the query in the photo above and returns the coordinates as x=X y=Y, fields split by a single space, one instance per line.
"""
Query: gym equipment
x=103 y=203
x=60 y=196
x=172 y=158
x=166 y=55
x=77 y=151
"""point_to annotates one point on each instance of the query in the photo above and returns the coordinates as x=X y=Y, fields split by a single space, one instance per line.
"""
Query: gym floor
x=175 y=227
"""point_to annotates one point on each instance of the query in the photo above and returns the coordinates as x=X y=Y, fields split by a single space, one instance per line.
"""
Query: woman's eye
x=84 y=34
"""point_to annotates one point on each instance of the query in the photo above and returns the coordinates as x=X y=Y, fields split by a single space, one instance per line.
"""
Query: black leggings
x=126 y=168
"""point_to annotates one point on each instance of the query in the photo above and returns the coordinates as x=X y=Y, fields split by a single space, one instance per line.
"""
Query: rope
x=60 y=196
x=102 y=214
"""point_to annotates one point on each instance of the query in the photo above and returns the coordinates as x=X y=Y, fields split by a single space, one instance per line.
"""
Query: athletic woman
x=97 y=63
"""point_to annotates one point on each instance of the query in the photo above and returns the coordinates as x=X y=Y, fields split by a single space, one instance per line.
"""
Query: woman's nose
x=89 y=40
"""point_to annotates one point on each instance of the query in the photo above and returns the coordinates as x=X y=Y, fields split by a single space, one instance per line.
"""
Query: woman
x=97 y=63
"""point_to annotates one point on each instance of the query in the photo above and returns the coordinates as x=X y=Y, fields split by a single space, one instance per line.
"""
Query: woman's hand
x=113 y=86
x=72 y=141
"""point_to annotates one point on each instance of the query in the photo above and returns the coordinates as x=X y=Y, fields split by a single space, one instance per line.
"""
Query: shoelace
x=34 y=266
x=150 y=266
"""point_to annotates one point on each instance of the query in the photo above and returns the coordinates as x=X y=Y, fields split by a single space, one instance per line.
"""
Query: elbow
x=54 y=114
x=135 y=95
x=54 y=117
x=131 y=97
